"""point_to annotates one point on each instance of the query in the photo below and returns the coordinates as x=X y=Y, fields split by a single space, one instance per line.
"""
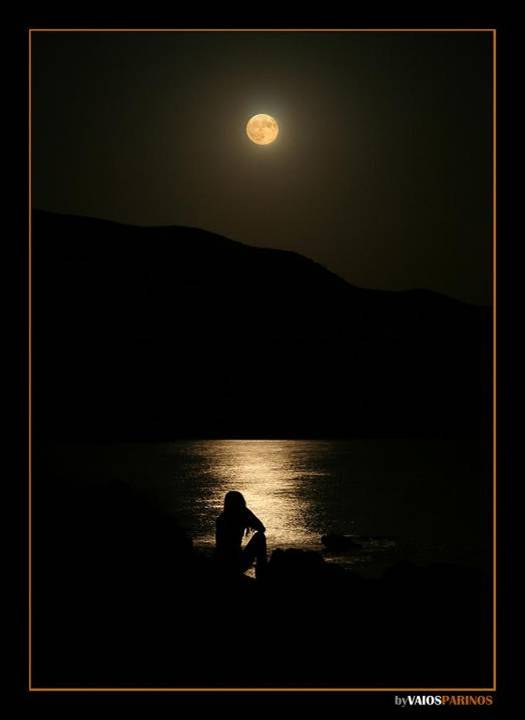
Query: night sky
x=382 y=170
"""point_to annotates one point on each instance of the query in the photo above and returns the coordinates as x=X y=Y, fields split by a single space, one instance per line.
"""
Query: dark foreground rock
x=120 y=598
x=335 y=543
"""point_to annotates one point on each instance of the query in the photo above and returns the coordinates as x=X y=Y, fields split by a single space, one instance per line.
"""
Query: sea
x=419 y=500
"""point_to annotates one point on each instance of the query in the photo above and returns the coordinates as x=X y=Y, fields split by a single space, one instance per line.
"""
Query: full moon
x=262 y=129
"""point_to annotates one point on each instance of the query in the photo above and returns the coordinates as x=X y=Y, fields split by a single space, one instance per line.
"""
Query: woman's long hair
x=234 y=506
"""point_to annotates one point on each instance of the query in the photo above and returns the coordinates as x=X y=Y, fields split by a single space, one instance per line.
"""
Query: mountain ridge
x=211 y=236
x=166 y=332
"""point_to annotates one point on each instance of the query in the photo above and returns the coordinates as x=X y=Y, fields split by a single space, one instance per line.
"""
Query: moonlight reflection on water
x=404 y=498
x=274 y=476
x=424 y=494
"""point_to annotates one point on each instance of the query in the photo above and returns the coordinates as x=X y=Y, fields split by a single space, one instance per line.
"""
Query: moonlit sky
x=381 y=171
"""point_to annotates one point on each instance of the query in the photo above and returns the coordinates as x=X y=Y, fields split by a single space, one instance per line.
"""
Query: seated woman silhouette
x=233 y=523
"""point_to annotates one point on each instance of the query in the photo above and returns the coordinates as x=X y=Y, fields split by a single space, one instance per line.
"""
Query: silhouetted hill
x=172 y=331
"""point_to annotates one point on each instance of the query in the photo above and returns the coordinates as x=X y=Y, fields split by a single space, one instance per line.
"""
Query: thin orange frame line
x=494 y=356
x=259 y=689
x=30 y=437
x=494 y=359
x=429 y=30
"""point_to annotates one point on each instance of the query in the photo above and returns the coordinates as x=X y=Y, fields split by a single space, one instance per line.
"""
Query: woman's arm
x=253 y=522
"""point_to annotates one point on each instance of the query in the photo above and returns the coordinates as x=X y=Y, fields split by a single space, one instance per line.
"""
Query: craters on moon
x=262 y=129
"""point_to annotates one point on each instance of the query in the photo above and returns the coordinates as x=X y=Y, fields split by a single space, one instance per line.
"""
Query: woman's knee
x=260 y=538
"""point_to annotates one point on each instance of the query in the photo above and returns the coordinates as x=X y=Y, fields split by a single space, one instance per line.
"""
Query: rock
x=335 y=543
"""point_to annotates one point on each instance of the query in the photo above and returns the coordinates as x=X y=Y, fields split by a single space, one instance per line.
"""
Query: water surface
x=419 y=500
